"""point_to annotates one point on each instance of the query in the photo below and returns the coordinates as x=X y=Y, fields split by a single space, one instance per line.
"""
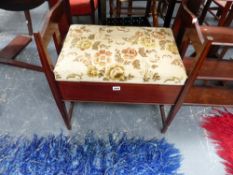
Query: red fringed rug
x=220 y=129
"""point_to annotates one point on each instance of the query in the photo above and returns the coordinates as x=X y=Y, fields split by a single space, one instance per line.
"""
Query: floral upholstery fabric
x=94 y=53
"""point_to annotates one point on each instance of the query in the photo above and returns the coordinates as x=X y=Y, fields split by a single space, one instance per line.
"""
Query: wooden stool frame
x=56 y=26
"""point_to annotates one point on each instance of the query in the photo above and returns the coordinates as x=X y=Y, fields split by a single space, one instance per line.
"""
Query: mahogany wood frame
x=57 y=24
x=225 y=16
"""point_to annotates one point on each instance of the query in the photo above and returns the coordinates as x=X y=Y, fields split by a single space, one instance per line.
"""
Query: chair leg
x=65 y=116
x=60 y=103
x=29 y=21
x=162 y=113
x=154 y=14
x=130 y=4
x=62 y=108
x=93 y=18
x=111 y=8
x=71 y=109
x=224 y=14
x=118 y=12
x=171 y=116
x=92 y=12
x=188 y=84
x=229 y=18
x=52 y=82
x=204 y=12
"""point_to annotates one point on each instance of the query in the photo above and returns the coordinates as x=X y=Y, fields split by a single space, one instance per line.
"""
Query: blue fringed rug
x=62 y=155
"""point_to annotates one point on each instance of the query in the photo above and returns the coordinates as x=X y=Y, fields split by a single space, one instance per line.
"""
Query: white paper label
x=116 y=88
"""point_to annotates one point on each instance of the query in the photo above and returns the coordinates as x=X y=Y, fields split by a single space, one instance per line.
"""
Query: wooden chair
x=82 y=76
x=166 y=9
x=219 y=9
x=125 y=12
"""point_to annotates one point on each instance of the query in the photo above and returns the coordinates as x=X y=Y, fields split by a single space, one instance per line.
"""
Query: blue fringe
x=62 y=155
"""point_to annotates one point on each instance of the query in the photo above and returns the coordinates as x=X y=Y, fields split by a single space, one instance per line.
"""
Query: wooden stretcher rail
x=210 y=96
x=15 y=47
x=213 y=69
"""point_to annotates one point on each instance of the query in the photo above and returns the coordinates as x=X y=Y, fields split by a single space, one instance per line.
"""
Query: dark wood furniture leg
x=170 y=10
x=175 y=108
x=204 y=11
x=111 y=8
x=229 y=18
x=29 y=21
x=92 y=12
x=102 y=11
x=224 y=14
x=53 y=86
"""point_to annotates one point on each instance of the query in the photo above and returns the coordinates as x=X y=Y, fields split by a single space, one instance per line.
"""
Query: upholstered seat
x=94 y=53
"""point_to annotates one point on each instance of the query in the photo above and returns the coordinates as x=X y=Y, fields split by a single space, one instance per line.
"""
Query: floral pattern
x=102 y=58
x=120 y=54
x=84 y=44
